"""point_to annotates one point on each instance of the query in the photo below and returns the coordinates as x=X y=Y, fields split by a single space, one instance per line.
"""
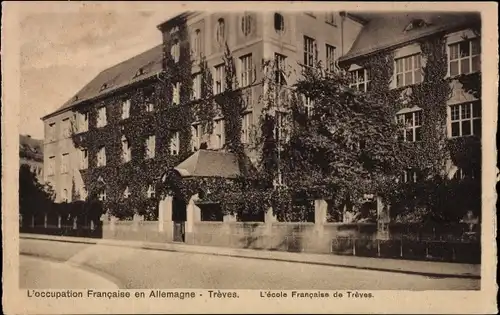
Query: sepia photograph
x=301 y=154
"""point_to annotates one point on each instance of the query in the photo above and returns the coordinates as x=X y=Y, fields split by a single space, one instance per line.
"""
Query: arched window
x=246 y=24
x=220 y=33
x=279 y=23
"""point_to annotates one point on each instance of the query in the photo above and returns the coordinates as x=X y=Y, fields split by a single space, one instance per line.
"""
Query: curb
x=183 y=248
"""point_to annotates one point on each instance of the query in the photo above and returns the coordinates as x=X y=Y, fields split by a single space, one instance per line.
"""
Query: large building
x=120 y=115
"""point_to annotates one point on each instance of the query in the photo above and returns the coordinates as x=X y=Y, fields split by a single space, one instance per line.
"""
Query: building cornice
x=176 y=19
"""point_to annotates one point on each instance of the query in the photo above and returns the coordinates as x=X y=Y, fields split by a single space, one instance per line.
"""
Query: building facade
x=125 y=124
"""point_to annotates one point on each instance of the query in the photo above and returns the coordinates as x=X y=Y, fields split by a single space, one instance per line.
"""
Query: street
x=140 y=269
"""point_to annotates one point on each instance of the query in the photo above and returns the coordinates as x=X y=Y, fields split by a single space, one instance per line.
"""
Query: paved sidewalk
x=424 y=268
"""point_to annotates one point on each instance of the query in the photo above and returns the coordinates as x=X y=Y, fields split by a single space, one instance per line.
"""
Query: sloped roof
x=207 y=163
x=30 y=148
x=384 y=30
x=118 y=76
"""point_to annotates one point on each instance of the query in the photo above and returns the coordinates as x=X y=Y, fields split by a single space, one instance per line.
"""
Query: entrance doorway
x=179 y=218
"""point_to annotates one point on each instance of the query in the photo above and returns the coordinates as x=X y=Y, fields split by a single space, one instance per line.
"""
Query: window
x=64 y=163
x=175 y=144
x=51 y=166
x=410 y=175
x=176 y=93
x=150 y=147
x=101 y=117
x=52 y=132
x=66 y=128
x=411 y=126
x=196 y=134
x=220 y=133
x=279 y=23
x=331 y=57
x=246 y=70
x=196 y=86
x=175 y=51
x=461 y=174
x=219 y=85
x=149 y=99
x=247 y=122
x=126 y=151
x=196 y=42
x=151 y=192
x=408 y=70
x=84 y=159
x=280 y=64
x=281 y=130
x=126 y=193
x=465 y=57
x=246 y=24
x=101 y=157
x=360 y=80
x=330 y=18
x=126 y=109
x=83 y=122
x=221 y=32
x=102 y=195
x=64 y=195
x=308 y=105
x=310 y=55
x=465 y=119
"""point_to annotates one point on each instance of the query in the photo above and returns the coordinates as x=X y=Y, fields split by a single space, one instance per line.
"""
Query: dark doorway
x=179 y=218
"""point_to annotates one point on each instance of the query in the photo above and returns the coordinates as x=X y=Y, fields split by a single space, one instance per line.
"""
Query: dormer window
x=75 y=98
x=139 y=72
x=416 y=23
x=104 y=86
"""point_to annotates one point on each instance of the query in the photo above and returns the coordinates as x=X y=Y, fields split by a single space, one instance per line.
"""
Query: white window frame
x=357 y=80
x=280 y=68
x=101 y=156
x=411 y=64
x=126 y=150
x=219 y=79
x=463 y=109
x=101 y=117
x=102 y=195
x=83 y=122
x=246 y=24
x=246 y=66
x=310 y=51
x=52 y=131
x=409 y=175
x=196 y=86
x=220 y=31
x=331 y=18
x=126 y=109
x=65 y=128
x=176 y=93
x=308 y=105
x=219 y=131
x=175 y=144
x=151 y=193
x=459 y=58
x=126 y=193
x=51 y=166
x=175 y=51
x=196 y=135
x=150 y=147
x=331 y=57
x=84 y=159
x=64 y=163
x=410 y=129
x=246 y=125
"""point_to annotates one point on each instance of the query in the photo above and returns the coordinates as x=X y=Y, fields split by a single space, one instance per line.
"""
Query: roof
x=118 y=76
x=30 y=148
x=385 y=30
x=207 y=163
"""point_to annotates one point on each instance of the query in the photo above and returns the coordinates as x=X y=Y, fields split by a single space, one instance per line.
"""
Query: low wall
x=147 y=231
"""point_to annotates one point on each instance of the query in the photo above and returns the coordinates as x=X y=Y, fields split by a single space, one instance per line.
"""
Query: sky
x=62 y=51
